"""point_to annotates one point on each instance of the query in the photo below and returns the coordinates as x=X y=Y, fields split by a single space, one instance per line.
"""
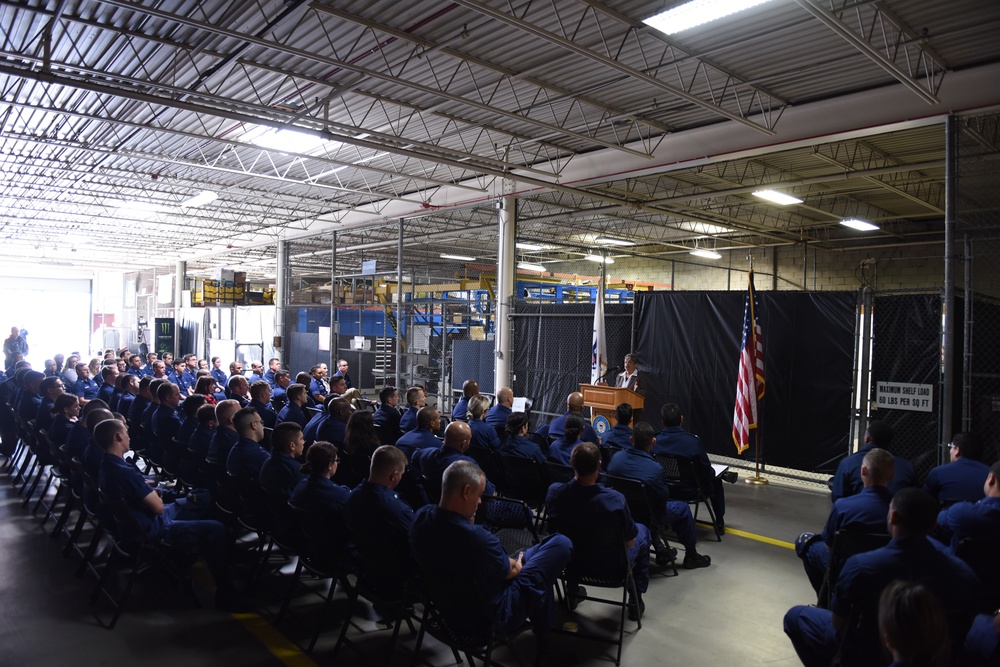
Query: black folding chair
x=510 y=521
x=690 y=484
x=640 y=501
x=846 y=543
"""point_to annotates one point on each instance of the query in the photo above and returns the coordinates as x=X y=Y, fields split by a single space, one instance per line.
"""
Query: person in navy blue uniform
x=342 y=368
x=334 y=429
x=316 y=419
x=582 y=505
x=415 y=399
x=260 y=400
x=483 y=435
x=181 y=378
x=498 y=414
x=913 y=626
x=147 y=369
x=30 y=399
x=325 y=499
x=445 y=539
x=168 y=367
x=49 y=388
x=979 y=520
x=637 y=462
x=620 y=435
x=432 y=461
x=247 y=457
x=15 y=344
x=963 y=477
x=982 y=645
x=67 y=411
x=387 y=416
x=574 y=406
x=282 y=472
x=218 y=374
x=864 y=512
x=239 y=390
x=161 y=371
x=189 y=375
x=108 y=375
x=197 y=444
x=292 y=412
x=675 y=441
x=909 y=556
x=235 y=370
x=516 y=444
x=166 y=424
x=847 y=480
x=279 y=399
x=134 y=365
x=225 y=436
x=562 y=448
x=84 y=387
x=189 y=416
x=178 y=523
x=374 y=506
x=256 y=372
x=317 y=388
x=129 y=384
x=422 y=437
x=460 y=412
x=273 y=366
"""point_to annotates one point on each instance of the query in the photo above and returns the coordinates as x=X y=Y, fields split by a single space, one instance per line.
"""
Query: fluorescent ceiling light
x=860 y=225
x=599 y=259
x=697 y=12
x=529 y=246
x=707 y=254
x=206 y=197
x=288 y=141
x=528 y=266
x=138 y=207
x=777 y=197
x=608 y=241
x=461 y=258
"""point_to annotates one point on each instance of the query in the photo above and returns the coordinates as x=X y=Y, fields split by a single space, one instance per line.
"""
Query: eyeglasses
x=336 y=460
x=952 y=446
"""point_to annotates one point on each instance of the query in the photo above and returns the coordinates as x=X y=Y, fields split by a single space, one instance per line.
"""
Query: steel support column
x=506 y=273
x=948 y=314
x=399 y=304
x=180 y=274
x=333 y=301
x=281 y=300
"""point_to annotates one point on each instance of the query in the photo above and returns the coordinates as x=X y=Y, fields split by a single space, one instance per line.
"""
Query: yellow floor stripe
x=275 y=642
x=761 y=538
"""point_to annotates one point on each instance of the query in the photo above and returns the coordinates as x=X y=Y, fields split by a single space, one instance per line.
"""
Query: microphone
x=611 y=371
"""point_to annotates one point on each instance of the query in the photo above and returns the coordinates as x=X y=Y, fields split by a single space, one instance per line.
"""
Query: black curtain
x=689 y=346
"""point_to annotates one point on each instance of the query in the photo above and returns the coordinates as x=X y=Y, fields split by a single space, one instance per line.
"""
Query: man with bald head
x=422 y=437
x=497 y=416
x=431 y=462
x=864 y=512
x=334 y=429
x=574 y=406
x=470 y=388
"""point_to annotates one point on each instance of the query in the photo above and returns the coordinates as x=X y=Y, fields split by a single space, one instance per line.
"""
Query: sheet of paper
x=519 y=404
x=719 y=468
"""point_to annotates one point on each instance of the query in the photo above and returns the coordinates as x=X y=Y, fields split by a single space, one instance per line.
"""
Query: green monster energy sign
x=164 y=335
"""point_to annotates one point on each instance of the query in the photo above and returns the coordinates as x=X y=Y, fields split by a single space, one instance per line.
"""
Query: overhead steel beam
x=612 y=63
x=888 y=43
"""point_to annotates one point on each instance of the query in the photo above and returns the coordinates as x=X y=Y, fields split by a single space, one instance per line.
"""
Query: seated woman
x=206 y=387
x=323 y=502
x=483 y=435
x=516 y=443
x=360 y=442
x=66 y=410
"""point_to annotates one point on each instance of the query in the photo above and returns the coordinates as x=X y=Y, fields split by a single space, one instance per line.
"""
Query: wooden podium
x=603 y=400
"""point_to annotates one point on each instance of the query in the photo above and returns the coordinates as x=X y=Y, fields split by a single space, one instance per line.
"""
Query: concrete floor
x=729 y=613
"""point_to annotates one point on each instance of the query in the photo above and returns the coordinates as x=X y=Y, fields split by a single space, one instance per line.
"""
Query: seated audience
x=498 y=414
x=963 y=477
x=225 y=436
x=292 y=412
x=574 y=406
x=483 y=435
x=847 y=480
x=620 y=434
x=562 y=448
x=281 y=472
x=913 y=626
x=247 y=457
x=387 y=416
x=415 y=399
x=460 y=412
x=422 y=437
x=516 y=443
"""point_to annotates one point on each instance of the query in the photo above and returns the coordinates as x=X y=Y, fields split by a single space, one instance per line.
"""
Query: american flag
x=750 y=380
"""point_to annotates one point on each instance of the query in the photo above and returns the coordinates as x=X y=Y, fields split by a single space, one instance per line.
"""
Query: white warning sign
x=905 y=396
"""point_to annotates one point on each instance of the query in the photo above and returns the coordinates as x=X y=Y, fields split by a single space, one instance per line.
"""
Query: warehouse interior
x=435 y=191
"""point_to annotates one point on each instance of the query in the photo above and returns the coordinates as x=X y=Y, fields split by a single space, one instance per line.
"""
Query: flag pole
x=756 y=480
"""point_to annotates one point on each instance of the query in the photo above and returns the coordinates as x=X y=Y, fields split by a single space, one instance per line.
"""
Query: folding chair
x=510 y=520
x=846 y=543
x=615 y=571
x=457 y=614
x=640 y=503
x=687 y=483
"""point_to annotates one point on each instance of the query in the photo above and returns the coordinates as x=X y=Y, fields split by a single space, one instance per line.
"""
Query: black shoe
x=576 y=597
x=665 y=555
x=730 y=476
x=634 y=614
x=694 y=560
